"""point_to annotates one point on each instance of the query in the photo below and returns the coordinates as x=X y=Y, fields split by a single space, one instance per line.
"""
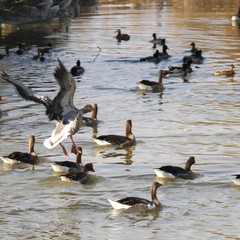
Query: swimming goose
x=128 y=202
x=196 y=57
x=29 y=157
x=228 y=73
x=237 y=179
x=156 y=40
x=78 y=175
x=61 y=108
x=91 y=121
x=151 y=85
x=123 y=141
x=236 y=17
x=77 y=70
x=174 y=171
x=65 y=166
x=121 y=36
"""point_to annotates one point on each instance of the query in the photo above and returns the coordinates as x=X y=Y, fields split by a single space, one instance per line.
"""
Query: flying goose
x=61 y=109
x=174 y=171
x=128 y=202
x=123 y=141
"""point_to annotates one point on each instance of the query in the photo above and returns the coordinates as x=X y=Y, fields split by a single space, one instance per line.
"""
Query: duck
x=172 y=172
x=78 y=175
x=236 y=181
x=91 y=121
x=156 y=40
x=77 y=70
x=129 y=202
x=29 y=157
x=123 y=141
x=19 y=51
x=157 y=56
x=176 y=72
x=65 y=166
x=151 y=85
x=236 y=18
x=37 y=56
x=196 y=57
x=228 y=73
x=122 y=36
x=193 y=49
x=61 y=109
x=186 y=66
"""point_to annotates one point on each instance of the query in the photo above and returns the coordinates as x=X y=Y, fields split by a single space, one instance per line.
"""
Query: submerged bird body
x=77 y=70
x=121 y=36
x=174 y=171
x=128 y=202
x=228 y=73
x=148 y=85
x=61 y=109
x=29 y=157
x=122 y=141
x=236 y=181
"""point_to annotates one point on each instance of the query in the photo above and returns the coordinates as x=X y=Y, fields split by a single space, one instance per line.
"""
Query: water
x=198 y=117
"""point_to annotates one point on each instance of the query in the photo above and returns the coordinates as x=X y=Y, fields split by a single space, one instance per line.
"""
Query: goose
x=151 y=85
x=237 y=179
x=121 y=36
x=61 y=108
x=122 y=141
x=78 y=175
x=156 y=40
x=228 y=73
x=187 y=64
x=29 y=157
x=91 y=121
x=196 y=57
x=129 y=202
x=236 y=18
x=65 y=166
x=77 y=70
x=174 y=171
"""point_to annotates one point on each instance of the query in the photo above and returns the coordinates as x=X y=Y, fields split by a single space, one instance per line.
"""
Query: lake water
x=196 y=117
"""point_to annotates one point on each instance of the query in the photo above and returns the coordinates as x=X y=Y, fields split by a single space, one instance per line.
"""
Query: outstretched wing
x=27 y=93
x=63 y=102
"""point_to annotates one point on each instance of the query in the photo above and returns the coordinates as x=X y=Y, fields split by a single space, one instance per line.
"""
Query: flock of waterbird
x=69 y=119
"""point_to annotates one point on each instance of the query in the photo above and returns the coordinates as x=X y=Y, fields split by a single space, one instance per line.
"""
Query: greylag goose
x=236 y=181
x=122 y=141
x=77 y=70
x=128 y=202
x=29 y=157
x=65 y=166
x=151 y=85
x=174 y=171
x=91 y=121
x=78 y=175
x=122 y=36
x=228 y=73
x=61 y=108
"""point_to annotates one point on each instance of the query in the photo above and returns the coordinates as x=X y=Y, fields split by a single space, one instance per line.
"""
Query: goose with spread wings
x=61 y=109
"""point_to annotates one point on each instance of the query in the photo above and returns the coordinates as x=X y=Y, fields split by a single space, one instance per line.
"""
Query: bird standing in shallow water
x=128 y=202
x=61 y=109
x=29 y=157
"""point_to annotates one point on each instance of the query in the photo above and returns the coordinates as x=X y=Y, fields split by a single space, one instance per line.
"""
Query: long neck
x=79 y=158
x=154 y=195
x=160 y=76
x=129 y=131
x=189 y=163
x=95 y=110
x=31 y=145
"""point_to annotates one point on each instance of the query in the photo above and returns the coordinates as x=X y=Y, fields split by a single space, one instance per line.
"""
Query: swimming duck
x=237 y=179
x=196 y=57
x=78 y=175
x=157 y=56
x=156 y=40
x=186 y=66
x=91 y=121
x=77 y=70
x=128 y=202
x=29 y=157
x=176 y=72
x=228 y=73
x=193 y=49
x=151 y=85
x=19 y=51
x=120 y=36
x=65 y=166
x=236 y=17
x=123 y=141
x=61 y=108
x=174 y=171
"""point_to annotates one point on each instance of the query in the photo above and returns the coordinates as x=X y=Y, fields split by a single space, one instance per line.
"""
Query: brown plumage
x=121 y=36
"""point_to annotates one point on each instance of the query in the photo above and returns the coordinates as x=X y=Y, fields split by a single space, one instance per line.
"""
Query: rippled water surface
x=197 y=116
